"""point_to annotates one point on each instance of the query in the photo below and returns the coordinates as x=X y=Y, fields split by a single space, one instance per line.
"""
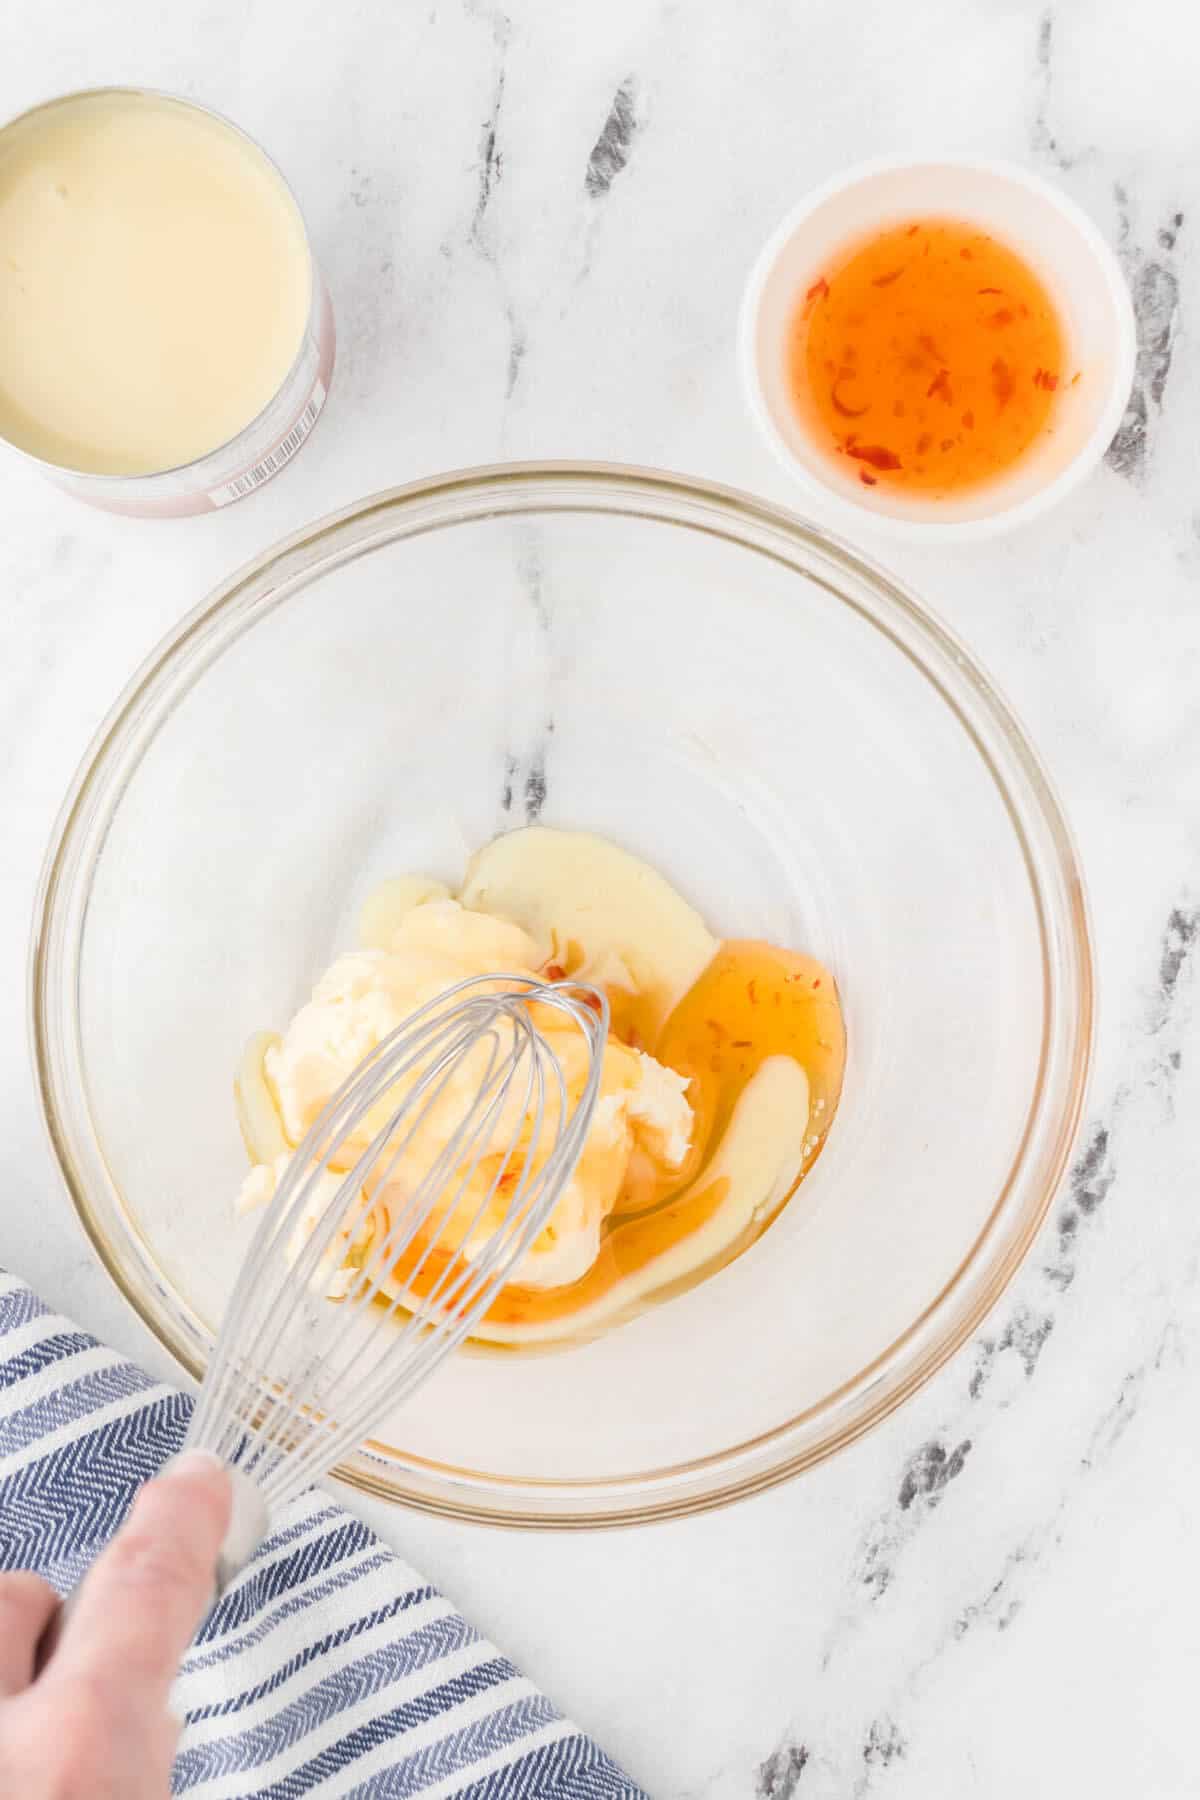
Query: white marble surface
x=996 y=1592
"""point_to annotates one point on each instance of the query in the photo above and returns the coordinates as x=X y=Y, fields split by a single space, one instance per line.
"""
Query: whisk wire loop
x=410 y=1201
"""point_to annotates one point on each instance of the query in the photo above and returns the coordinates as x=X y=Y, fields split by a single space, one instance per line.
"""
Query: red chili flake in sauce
x=752 y=991
x=867 y=480
x=912 y=231
x=839 y=405
x=989 y=290
x=967 y=255
x=1003 y=316
x=816 y=292
x=1003 y=384
x=968 y=420
x=1044 y=379
x=940 y=385
x=878 y=455
x=887 y=280
x=554 y=971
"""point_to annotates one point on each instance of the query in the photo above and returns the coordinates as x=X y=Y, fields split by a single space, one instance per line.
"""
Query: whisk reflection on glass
x=398 y=1219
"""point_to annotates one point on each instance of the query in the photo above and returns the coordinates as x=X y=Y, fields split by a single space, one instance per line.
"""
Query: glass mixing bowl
x=767 y=719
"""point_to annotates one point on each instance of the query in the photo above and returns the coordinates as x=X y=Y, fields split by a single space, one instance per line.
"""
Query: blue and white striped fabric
x=329 y=1668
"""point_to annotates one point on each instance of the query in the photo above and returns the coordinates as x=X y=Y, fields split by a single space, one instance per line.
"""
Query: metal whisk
x=406 y=1208
x=329 y=1326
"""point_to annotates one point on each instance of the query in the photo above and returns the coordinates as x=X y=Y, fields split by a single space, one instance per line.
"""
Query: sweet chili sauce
x=930 y=359
x=753 y=1001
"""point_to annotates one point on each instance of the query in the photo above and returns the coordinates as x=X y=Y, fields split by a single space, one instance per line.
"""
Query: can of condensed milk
x=166 y=338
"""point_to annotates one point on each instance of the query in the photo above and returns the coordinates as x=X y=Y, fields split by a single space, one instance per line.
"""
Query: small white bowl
x=1060 y=243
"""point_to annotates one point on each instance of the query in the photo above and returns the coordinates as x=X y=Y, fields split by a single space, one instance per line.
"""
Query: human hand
x=94 y=1724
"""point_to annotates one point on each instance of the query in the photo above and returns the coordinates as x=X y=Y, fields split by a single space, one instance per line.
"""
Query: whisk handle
x=247 y=1529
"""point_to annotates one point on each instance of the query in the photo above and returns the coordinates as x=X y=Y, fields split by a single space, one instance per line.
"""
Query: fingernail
x=192 y=1462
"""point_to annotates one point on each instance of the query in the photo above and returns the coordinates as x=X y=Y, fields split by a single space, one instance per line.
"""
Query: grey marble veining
x=536 y=221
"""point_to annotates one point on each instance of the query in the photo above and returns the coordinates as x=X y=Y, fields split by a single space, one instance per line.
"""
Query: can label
x=269 y=465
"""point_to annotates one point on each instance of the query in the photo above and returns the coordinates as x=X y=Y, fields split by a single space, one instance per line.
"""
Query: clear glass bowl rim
x=1038 y=823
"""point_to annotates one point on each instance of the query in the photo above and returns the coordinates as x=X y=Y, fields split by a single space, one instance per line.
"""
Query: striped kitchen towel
x=329 y=1667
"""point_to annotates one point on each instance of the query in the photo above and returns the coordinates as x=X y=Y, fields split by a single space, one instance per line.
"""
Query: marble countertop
x=536 y=224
